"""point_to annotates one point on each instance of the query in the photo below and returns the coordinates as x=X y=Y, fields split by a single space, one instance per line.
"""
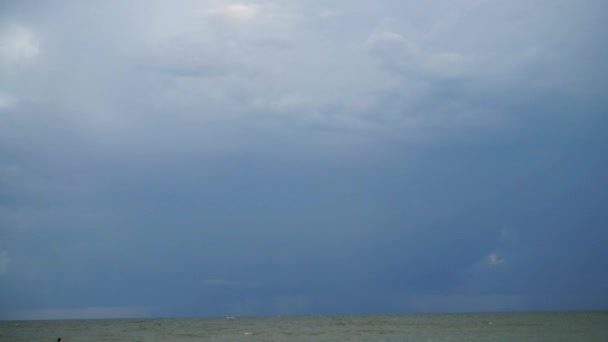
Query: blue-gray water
x=547 y=326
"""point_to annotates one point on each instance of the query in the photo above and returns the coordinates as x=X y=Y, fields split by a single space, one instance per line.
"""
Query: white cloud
x=18 y=44
x=386 y=36
x=494 y=259
x=410 y=57
x=238 y=12
x=3 y=262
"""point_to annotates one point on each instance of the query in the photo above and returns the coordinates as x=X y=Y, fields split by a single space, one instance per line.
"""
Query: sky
x=207 y=158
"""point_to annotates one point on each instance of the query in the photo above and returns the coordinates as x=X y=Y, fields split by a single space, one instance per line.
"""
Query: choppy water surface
x=549 y=326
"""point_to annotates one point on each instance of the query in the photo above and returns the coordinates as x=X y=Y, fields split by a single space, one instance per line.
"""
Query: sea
x=530 y=326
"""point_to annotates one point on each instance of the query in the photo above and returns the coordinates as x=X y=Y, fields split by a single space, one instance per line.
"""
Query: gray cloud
x=288 y=157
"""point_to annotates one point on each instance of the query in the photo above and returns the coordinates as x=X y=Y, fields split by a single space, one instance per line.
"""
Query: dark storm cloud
x=215 y=158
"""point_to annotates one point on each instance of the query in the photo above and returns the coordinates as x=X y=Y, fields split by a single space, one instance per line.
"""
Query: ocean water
x=537 y=326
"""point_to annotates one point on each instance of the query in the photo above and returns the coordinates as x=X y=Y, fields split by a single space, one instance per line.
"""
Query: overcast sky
x=169 y=158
